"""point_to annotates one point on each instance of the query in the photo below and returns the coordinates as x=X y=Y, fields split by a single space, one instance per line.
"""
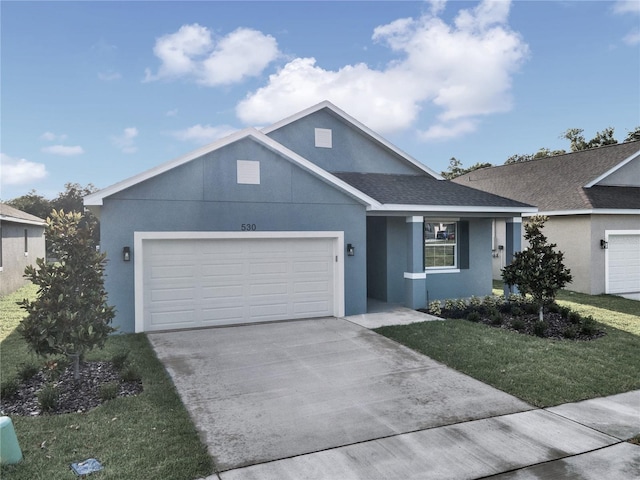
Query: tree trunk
x=76 y=365
x=541 y=313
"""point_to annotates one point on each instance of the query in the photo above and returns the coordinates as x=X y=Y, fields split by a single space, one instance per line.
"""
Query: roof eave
x=7 y=218
x=473 y=209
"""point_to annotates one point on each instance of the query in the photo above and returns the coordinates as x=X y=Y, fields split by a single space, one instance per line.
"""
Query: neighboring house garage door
x=189 y=283
x=623 y=263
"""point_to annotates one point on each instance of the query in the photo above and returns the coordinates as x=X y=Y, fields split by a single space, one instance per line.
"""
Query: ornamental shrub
x=70 y=315
x=537 y=270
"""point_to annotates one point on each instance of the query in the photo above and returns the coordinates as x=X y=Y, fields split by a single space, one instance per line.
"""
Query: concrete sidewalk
x=549 y=444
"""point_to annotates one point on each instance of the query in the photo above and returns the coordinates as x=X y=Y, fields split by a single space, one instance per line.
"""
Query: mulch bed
x=557 y=327
x=75 y=396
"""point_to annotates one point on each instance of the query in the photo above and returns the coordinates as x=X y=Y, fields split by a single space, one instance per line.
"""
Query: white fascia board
x=348 y=118
x=456 y=209
x=314 y=169
x=97 y=197
x=595 y=211
x=6 y=218
x=612 y=170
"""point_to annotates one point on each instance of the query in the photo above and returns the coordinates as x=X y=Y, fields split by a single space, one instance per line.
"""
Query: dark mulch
x=555 y=326
x=75 y=396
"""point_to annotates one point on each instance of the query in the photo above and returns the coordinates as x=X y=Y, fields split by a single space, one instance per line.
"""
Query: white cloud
x=126 y=140
x=464 y=70
x=449 y=130
x=50 y=137
x=172 y=113
x=203 y=134
x=19 y=171
x=626 y=6
x=192 y=53
x=632 y=38
x=64 y=150
x=109 y=76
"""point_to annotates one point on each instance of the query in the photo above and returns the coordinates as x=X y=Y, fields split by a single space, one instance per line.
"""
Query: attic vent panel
x=248 y=172
x=323 y=138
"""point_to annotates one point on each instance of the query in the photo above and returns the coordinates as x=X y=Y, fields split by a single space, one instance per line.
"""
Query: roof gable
x=348 y=120
x=96 y=199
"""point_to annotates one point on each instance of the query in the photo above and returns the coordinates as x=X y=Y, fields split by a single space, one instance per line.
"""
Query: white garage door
x=191 y=283
x=623 y=263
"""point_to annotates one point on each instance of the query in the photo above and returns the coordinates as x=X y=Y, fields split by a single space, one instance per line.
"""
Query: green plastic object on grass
x=9 y=448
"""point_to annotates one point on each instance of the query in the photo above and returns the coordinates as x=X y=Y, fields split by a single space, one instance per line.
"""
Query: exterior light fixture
x=351 y=250
x=126 y=254
x=604 y=244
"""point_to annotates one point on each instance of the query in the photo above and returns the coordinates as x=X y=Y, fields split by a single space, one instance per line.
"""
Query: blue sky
x=95 y=92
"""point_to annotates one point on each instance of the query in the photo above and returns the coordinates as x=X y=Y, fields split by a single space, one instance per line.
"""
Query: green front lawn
x=149 y=436
x=540 y=371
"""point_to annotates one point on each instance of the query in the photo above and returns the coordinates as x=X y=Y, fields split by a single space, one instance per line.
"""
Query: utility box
x=9 y=448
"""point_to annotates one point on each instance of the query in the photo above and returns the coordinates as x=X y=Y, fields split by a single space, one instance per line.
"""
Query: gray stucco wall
x=386 y=258
x=14 y=259
x=351 y=150
x=477 y=279
x=203 y=195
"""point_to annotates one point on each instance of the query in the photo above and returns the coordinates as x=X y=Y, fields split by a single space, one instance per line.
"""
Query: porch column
x=415 y=280
x=513 y=244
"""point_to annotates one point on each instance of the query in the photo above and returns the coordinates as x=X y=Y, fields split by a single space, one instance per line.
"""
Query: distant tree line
x=69 y=201
x=576 y=139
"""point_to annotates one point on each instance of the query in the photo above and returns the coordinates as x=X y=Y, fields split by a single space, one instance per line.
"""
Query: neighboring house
x=592 y=198
x=306 y=218
x=22 y=242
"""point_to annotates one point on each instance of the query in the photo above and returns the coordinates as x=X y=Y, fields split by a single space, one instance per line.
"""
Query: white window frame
x=448 y=268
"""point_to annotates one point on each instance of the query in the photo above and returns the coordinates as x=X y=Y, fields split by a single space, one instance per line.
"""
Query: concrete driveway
x=330 y=399
x=264 y=392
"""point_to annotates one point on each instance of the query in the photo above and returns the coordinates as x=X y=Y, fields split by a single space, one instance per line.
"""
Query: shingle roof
x=557 y=183
x=421 y=190
x=11 y=214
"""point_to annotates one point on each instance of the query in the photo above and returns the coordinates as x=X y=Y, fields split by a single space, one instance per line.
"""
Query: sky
x=96 y=92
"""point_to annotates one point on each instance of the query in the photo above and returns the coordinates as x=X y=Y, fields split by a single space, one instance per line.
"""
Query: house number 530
x=248 y=227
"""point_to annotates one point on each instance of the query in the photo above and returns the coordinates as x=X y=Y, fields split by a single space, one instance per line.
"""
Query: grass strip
x=149 y=436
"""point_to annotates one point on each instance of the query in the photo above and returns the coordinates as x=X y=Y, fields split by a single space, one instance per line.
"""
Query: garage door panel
x=172 y=294
x=190 y=283
x=623 y=269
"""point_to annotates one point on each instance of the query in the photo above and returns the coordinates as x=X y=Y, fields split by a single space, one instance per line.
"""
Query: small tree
x=70 y=315
x=538 y=270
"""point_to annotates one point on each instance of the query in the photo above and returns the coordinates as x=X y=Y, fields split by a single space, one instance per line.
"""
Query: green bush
x=539 y=328
x=130 y=374
x=574 y=317
x=565 y=311
x=473 y=316
x=588 y=326
x=435 y=308
x=48 y=398
x=109 y=391
x=570 y=332
x=9 y=387
x=517 y=324
x=496 y=318
x=120 y=360
x=26 y=371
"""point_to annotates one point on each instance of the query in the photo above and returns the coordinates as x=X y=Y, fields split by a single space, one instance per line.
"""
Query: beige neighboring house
x=592 y=199
x=22 y=242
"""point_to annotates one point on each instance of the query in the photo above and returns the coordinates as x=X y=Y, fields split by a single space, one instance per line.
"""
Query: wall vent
x=323 y=138
x=248 y=172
